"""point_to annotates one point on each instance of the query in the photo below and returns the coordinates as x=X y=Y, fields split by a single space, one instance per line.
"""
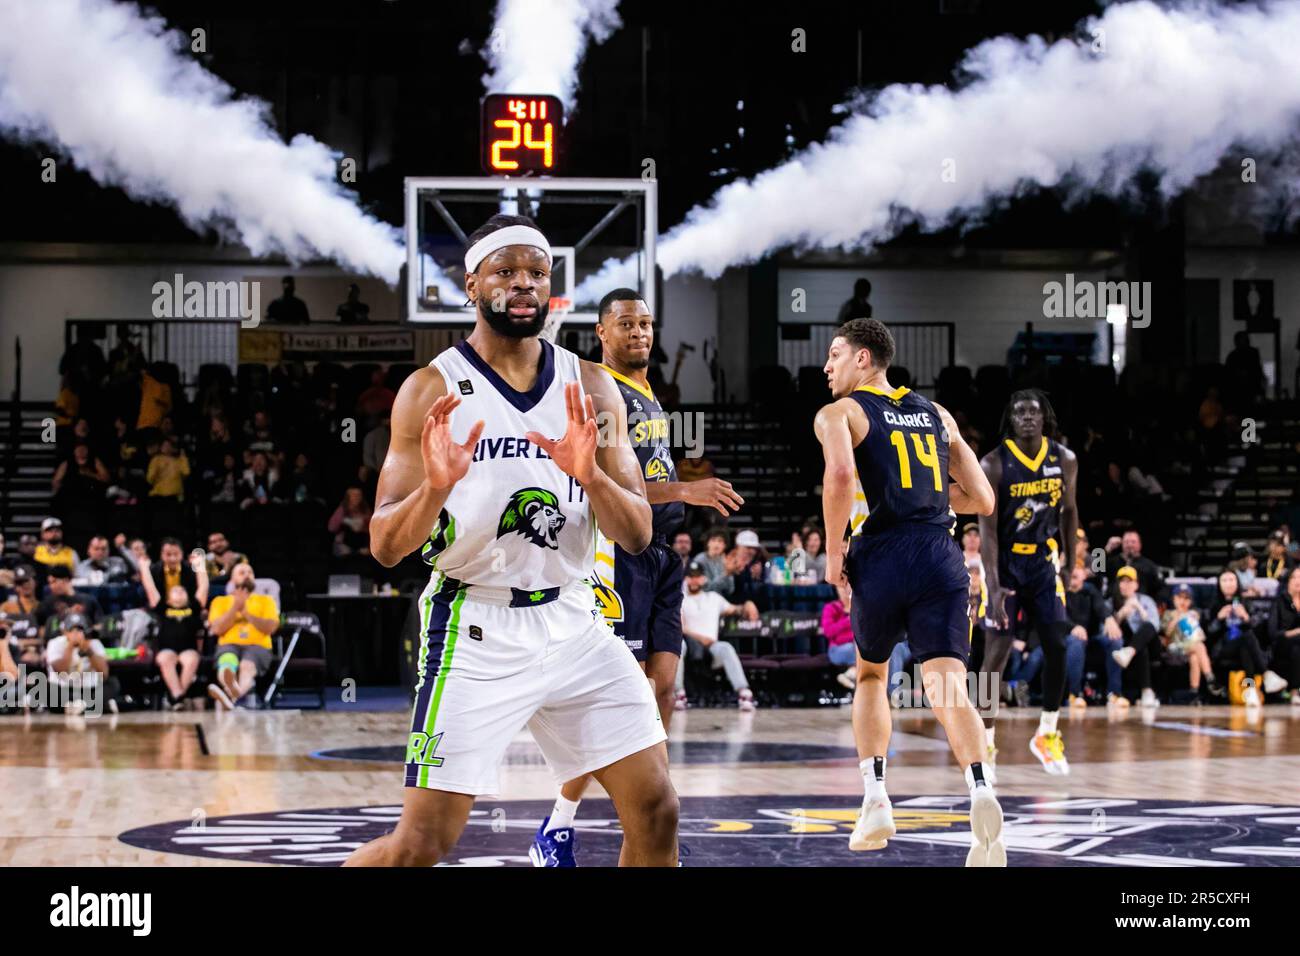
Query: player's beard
x=502 y=324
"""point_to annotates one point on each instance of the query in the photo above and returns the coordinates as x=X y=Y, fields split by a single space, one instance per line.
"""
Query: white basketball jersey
x=515 y=520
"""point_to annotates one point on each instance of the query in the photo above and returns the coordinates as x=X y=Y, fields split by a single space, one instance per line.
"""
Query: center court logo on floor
x=786 y=831
x=535 y=514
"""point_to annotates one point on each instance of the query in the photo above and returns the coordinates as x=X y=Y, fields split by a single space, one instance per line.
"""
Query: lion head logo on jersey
x=535 y=514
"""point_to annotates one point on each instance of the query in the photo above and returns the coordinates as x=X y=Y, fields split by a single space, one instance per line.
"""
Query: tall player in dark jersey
x=1028 y=551
x=906 y=571
x=641 y=594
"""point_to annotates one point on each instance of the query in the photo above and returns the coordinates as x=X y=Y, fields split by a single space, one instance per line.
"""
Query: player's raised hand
x=712 y=493
x=445 y=461
x=575 y=453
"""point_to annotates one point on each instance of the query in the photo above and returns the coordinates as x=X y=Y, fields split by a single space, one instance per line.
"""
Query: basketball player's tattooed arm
x=835 y=433
x=422 y=465
x=605 y=466
x=997 y=610
x=969 y=491
x=1069 y=522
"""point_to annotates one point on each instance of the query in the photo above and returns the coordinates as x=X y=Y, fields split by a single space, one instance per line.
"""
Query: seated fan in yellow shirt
x=243 y=623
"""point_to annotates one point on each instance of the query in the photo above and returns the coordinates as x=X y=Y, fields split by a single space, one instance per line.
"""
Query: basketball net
x=559 y=308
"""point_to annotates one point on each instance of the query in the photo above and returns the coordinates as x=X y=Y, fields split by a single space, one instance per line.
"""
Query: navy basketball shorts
x=909 y=582
x=642 y=599
x=1038 y=588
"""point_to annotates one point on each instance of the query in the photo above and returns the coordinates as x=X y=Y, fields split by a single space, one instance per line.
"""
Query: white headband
x=509 y=236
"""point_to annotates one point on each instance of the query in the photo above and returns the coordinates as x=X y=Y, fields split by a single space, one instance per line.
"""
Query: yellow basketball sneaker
x=1050 y=751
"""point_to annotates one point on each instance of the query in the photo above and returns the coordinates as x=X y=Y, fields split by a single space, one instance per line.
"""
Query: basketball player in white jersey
x=497 y=473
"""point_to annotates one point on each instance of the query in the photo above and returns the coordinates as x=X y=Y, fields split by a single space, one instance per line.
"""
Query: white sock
x=562 y=814
x=873 y=783
x=972 y=783
x=1047 y=722
x=988 y=733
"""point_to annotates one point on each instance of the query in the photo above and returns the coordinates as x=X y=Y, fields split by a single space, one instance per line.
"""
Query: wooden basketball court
x=1185 y=786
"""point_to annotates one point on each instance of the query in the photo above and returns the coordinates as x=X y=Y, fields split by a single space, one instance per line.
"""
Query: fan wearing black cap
x=701 y=613
x=23 y=599
x=64 y=599
x=75 y=651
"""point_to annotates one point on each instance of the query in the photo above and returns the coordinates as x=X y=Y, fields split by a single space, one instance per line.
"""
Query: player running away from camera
x=497 y=474
x=905 y=569
x=1027 y=566
x=640 y=594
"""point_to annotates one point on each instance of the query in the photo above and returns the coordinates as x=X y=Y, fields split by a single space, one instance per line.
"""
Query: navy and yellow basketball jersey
x=903 y=462
x=648 y=431
x=1029 y=499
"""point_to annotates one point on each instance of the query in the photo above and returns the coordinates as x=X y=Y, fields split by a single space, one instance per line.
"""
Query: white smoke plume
x=1173 y=90
x=121 y=95
x=536 y=46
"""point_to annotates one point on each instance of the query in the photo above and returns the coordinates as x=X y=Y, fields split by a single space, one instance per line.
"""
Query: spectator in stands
x=259 y=478
x=1023 y=665
x=64 y=599
x=1245 y=563
x=22 y=600
x=838 y=630
x=221 y=557
x=80 y=480
x=353 y=311
x=8 y=667
x=350 y=524
x=1139 y=619
x=1184 y=640
x=702 y=611
x=170 y=571
x=224 y=482
x=259 y=433
x=1231 y=632
x=747 y=563
x=858 y=306
x=243 y=623
x=1245 y=370
x=1126 y=552
x=1277 y=562
x=1284 y=634
x=288 y=308
x=683 y=545
x=74 y=655
x=302 y=484
x=377 y=400
x=52 y=551
x=970 y=542
x=132 y=551
x=67 y=405
x=1091 y=622
x=177 y=642
x=99 y=566
x=219 y=444
x=374 y=448
x=27 y=544
x=714 y=562
x=155 y=399
x=167 y=472
x=814 y=555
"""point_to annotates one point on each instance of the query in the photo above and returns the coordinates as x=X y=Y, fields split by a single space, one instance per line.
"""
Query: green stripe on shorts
x=448 y=650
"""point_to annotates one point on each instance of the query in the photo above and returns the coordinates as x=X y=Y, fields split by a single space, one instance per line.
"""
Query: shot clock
x=520 y=134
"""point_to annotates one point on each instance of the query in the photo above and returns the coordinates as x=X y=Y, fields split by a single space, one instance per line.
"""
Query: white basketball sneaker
x=875 y=826
x=986 y=845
